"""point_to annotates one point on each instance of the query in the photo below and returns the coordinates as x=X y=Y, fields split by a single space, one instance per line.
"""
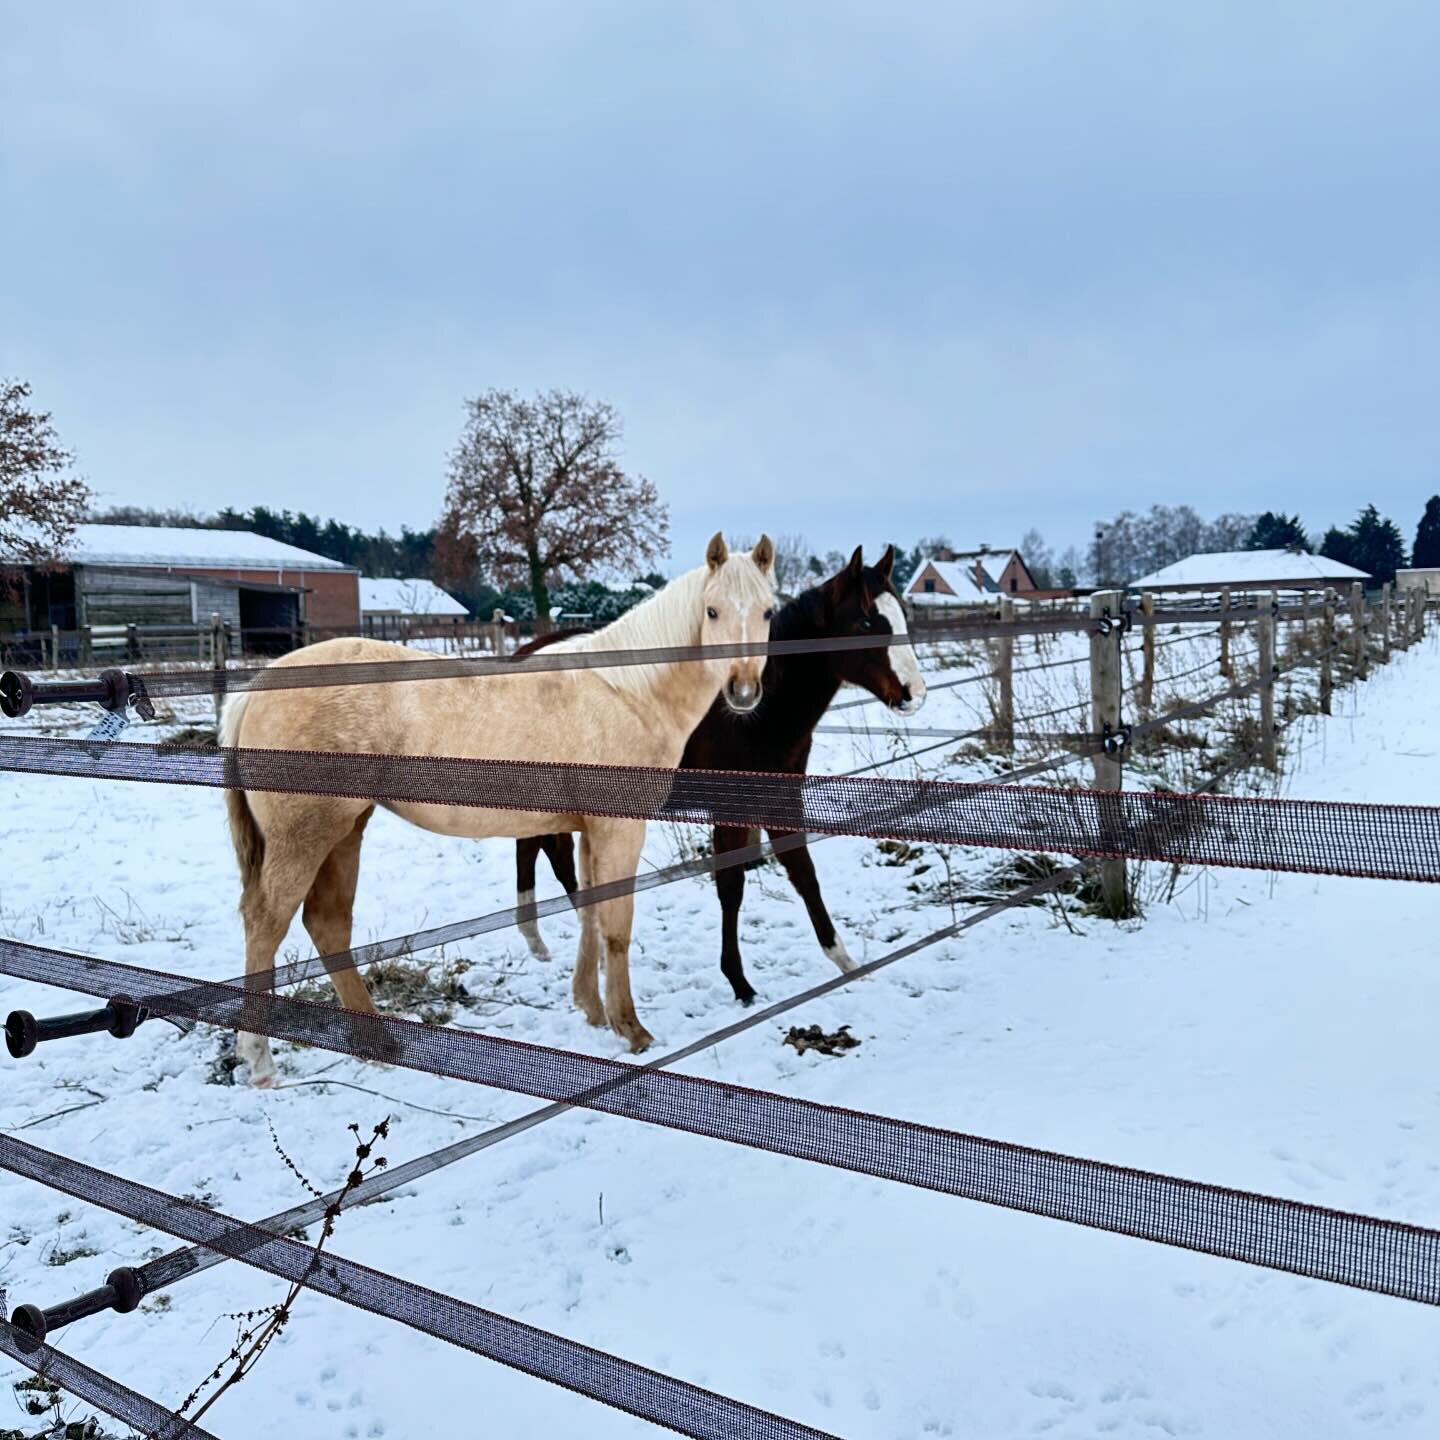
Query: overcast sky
x=859 y=271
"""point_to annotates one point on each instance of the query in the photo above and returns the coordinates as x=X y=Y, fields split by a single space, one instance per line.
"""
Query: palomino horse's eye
x=712 y=612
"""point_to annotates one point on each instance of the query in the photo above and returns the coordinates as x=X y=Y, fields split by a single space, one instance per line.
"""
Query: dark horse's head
x=862 y=600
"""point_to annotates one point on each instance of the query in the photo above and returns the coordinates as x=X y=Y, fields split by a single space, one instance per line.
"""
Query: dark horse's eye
x=769 y=615
x=712 y=612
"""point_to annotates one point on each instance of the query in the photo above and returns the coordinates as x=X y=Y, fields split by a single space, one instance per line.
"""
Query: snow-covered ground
x=1274 y=1033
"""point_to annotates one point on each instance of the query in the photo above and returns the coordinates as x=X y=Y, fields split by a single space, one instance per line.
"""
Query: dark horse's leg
x=731 y=885
x=801 y=870
x=527 y=852
x=560 y=851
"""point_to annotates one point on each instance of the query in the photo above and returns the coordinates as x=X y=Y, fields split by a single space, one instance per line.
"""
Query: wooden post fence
x=1357 y=626
x=1265 y=637
x=1004 y=737
x=1225 y=670
x=1105 y=694
x=497 y=631
x=1327 y=658
x=1386 y=594
x=218 y=646
x=1147 y=675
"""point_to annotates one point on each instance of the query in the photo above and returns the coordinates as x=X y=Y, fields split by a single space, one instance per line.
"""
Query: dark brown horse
x=775 y=736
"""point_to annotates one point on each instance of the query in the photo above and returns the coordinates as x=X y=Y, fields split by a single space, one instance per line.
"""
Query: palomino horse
x=301 y=849
x=775 y=736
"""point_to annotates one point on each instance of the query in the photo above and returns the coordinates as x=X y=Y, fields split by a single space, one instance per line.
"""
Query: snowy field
x=1272 y=1033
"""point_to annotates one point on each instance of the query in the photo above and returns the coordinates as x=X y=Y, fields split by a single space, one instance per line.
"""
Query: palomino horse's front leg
x=614 y=855
x=585 y=987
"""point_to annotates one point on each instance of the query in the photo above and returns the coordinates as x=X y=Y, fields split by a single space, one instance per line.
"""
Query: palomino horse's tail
x=244 y=832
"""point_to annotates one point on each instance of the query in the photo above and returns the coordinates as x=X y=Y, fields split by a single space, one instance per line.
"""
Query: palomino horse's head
x=739 y=601
x=862 y=600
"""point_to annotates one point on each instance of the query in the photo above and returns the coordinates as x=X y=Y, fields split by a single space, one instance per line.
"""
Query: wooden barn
x=116 y=576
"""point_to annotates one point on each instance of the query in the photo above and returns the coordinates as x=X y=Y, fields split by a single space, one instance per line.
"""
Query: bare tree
x=792 y=564
x=40 y=504
x=1038 y=557
x=536 y=494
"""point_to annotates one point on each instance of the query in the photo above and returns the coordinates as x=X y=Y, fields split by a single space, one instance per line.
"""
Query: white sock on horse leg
x=530 y=929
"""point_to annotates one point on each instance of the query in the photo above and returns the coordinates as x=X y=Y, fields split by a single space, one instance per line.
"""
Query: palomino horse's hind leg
x=585 y=986
x=801 y=870
x=615 y=853
x=294 y=852
x=330 y=911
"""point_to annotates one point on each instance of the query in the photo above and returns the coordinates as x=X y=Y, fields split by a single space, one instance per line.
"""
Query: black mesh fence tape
x=1393 y=842
x=659 y=1398
x=1371 y=1254
x=137 y=1411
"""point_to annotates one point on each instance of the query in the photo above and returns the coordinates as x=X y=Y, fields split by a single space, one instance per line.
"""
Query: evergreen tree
x=1277 y=531
x=1338 y=545
x=1427 y=536
x=1373 y=544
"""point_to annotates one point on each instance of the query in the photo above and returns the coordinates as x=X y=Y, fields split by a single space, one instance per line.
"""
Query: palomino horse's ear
x=764 y=553
x=887 y=561
x=715 y=552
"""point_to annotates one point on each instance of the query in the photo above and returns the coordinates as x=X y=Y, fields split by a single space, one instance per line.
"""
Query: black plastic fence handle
x=122 y=1292
x=121 y=1017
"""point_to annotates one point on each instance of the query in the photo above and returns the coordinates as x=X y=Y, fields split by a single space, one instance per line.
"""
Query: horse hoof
x=839 y=956
x=746 y=997
x=641 y=1042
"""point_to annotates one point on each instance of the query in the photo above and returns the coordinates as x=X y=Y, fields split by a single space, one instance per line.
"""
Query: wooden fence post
x=218 y=647
x=497 y=631
x=1357 y=625
x=1225 y=669
x=1147 y=642
x=1386 y=593
x=1265 y=636
x=1105 y=691
x=1005 y=680
x=1327 y=658
x=54 y=648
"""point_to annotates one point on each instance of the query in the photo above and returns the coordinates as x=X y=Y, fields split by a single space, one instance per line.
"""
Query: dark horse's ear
x=887 y=562
x=856 y=568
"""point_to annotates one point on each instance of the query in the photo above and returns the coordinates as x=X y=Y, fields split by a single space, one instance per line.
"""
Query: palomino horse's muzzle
x=742 y=696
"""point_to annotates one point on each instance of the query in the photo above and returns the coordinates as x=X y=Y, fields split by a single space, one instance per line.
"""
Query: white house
x=1252 y=570
x=969 y=577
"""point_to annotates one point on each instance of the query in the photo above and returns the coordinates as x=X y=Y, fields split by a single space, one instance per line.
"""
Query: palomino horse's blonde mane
x=671 y=617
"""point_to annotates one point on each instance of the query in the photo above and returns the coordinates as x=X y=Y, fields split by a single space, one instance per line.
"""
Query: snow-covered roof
x=973 y=579
x=179 y=548
x=1249 y=567
x=406 y=597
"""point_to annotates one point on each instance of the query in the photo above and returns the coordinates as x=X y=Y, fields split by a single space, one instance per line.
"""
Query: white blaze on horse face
x=740 y=598
x=902 y=657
